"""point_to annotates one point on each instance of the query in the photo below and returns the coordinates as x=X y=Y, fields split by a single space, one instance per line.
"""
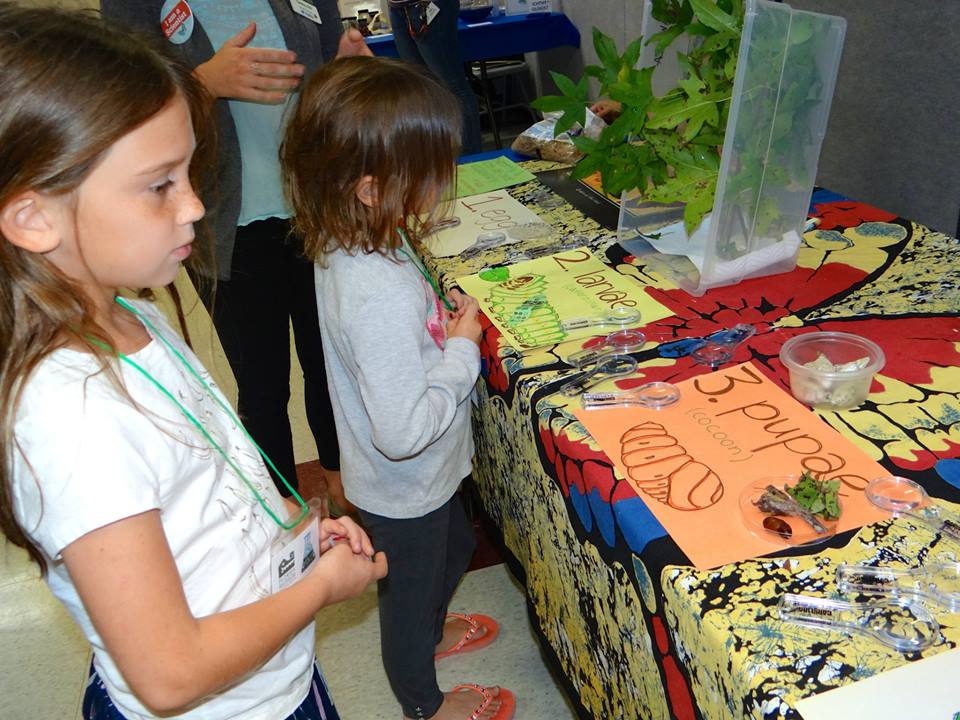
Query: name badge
x=290 y=560
x=432 y=12
x=307 y=10
x=176 y=21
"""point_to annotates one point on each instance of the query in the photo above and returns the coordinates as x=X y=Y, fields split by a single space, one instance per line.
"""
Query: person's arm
x=235 y=71
x=410 y=404
x=127 y=578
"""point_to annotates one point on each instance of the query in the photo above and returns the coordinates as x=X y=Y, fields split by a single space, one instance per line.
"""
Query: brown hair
x=71 y=85
x=361 y=116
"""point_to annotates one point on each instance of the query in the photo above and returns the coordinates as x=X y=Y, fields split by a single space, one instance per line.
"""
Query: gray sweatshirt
x=402 y=403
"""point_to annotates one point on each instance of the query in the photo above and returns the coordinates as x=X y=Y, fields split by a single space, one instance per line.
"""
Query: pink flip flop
x=468 y=642
x=508 y=703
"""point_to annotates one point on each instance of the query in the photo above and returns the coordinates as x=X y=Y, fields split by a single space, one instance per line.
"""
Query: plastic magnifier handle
x=901 y=623
x=680 y=348
x=483 y=242
x=610 y=367
x=937 y=582
x=618 y=342
x=905 y=498
x=937 y=520
x=616 y=316
x=654 y=395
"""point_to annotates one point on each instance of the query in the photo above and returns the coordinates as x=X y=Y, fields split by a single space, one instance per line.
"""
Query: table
x=635 y=631
x=501 y=36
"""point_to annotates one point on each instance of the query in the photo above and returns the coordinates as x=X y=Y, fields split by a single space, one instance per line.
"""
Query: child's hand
x=345 y=574
x=344 y=530
x=465 y=321
x=459 y=301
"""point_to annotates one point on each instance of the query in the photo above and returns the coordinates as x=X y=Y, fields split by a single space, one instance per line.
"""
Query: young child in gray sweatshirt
x=368 y=152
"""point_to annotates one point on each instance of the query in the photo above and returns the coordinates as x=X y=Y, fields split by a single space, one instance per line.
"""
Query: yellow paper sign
x=531 y=302
x=692 y=462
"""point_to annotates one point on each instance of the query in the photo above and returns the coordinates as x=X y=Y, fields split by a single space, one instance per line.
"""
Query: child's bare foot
x=465 y=633
x=474 y=701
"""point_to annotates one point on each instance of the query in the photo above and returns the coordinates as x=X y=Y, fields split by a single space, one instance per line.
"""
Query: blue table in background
x=500 y=36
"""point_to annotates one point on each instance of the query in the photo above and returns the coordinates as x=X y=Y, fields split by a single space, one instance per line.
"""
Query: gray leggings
x=427 y=556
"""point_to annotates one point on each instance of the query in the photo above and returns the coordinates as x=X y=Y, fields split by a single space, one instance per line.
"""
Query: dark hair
x=71 y=85
x=363 y=116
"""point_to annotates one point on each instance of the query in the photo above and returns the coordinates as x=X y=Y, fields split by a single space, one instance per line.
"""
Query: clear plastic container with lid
x=831 y=370
x=783 y=87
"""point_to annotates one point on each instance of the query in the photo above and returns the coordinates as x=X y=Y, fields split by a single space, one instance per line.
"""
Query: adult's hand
x=239 y=72
x=352 y=43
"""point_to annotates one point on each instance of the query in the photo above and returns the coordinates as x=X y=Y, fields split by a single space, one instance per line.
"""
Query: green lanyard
x=289 y=525
x=423 y=271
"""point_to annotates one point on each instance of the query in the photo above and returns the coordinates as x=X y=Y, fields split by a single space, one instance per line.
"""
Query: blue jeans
x=317 y=705
x=438 y=48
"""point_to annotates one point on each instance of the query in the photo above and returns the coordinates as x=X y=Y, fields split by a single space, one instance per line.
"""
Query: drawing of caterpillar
x=521 y=304
x=658 y=466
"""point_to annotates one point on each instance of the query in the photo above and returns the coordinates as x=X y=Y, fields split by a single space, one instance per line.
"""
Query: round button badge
x=176 y=21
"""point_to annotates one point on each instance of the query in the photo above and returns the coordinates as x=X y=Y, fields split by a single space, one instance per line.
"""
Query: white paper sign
x=485 y=214
x=921 y=690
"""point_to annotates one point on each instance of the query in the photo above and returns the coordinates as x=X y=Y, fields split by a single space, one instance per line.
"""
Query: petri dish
x=896 y=494
x=801 y=532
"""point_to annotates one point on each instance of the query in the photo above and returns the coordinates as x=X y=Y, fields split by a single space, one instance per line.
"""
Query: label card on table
x=692 y=461
x=480 y=218
x=522 y=7
x=921 y=690
x=486 y=175
x=530 y=301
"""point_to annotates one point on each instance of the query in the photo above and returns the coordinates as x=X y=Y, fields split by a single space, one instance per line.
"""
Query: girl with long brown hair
x=123 y=470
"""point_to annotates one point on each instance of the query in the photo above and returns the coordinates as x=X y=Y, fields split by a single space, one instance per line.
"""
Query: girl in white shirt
x=124 y=471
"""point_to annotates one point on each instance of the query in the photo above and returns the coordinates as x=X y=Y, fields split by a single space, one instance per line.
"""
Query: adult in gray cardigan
x=265 y=48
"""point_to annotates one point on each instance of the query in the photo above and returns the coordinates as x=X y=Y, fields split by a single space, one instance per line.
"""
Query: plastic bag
x=538 y=140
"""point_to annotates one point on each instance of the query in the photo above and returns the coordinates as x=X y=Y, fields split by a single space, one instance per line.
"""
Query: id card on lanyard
x=294 y=553
x=307 y=10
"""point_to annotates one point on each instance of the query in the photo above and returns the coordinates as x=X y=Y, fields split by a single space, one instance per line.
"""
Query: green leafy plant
x=821 y=497
x=668 y=147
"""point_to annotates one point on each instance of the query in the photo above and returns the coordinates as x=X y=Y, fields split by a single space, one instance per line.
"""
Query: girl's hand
x=345 y=530
x=343 y=574
x=465 y=322
x=257 y=74
x=459 y=301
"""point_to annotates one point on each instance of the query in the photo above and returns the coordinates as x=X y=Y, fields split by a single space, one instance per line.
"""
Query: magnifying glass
x=608 y=367
x=653 y=395
x=619 y=315
x=484 y=241
x=721 y=345
x=619 y=342
x=905 y=498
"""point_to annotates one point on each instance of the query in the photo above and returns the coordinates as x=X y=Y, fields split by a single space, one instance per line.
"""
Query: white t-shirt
x=97 y=459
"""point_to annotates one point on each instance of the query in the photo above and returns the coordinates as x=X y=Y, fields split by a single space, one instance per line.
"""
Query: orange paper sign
x=692 y=462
